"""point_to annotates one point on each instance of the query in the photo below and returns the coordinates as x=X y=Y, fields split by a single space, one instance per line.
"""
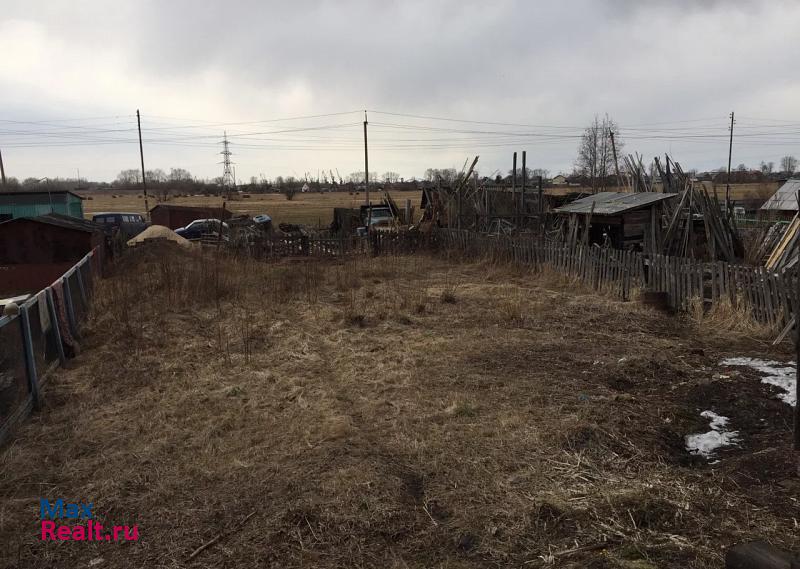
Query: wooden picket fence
x=606 y=270
x=770 y=297
x=380 y=243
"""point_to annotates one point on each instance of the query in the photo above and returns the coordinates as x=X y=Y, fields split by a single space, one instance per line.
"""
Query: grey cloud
x=509 y=61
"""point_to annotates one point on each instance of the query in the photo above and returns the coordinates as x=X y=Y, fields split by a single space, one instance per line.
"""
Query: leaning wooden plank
x=766 y=291
x=784 y=332
x=777 y=252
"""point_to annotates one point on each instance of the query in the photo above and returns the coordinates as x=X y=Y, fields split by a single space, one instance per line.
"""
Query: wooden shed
x=624 y=220
x=33 y=203
x=783 y=203
x=35 y=251
x=175 y=216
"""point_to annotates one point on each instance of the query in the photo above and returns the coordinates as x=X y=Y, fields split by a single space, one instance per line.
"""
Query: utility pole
x=541 y=184
x=522 y=191
x=728 y=184
x=514 y=185
x=141 y=156
x=366 y=161
x=616 y=163
x=2 y=170
x=541 y=211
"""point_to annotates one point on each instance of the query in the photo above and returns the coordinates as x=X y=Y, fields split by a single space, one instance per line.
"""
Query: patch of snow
x=782 y=376
x=705 y=444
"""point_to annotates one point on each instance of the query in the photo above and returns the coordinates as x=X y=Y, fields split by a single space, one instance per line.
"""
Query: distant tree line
x=594 y=167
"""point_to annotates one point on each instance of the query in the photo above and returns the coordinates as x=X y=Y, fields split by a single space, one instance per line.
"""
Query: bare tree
x=767 y=167
x=390 y=177
x=444 y=175
x=358 y=177
x=788 y=164
x=129 y=177
x=156 y=176
x=529 y=175
x=595 y=152
x=179 y=175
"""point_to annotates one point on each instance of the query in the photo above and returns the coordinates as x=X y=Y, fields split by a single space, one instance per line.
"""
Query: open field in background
x=314 y=208
x=395 y=412
x=304 y=208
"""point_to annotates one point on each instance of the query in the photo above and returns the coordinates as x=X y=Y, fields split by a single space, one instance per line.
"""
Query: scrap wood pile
x=715 y=237
x=699 y=226
x=638 y=178
x=642 y=179
x=446 y=202
x=784 y=253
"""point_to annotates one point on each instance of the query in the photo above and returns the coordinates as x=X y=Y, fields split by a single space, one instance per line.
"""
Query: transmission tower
x=228 y=180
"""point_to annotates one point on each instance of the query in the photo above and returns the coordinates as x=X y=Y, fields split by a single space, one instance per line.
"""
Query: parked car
x=128 y=224
x=200 y=227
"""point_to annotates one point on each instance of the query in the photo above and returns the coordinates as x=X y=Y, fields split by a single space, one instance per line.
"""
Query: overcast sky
x=669 y=73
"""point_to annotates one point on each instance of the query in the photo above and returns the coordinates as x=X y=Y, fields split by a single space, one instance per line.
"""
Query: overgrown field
x=306 y=208
x=395 y=412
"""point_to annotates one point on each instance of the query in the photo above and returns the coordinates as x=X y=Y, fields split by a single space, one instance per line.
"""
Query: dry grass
x=369 y=424
x=729 y=317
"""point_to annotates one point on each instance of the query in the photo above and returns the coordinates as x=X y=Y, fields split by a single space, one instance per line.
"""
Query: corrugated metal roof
x=785 y=199
x=40 y=193
x=191 y=208
x=59 y=220
x=612 y=203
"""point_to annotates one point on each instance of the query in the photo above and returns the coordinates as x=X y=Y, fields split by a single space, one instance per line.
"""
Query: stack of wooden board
x=784 y=254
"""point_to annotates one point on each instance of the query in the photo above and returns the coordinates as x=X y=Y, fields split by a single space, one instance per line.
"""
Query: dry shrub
x=462 y=408
x=355 y=310
x=549 y=277
x=726 y=316
x=448 y=294
x=512 y=307
x=346 y=276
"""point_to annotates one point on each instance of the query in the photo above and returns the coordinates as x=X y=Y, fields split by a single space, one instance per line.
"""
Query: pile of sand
x=159 y=232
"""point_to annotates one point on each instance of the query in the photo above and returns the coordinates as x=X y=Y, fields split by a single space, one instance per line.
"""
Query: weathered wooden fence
x=770 y=297
x=38 y=339
x=336 y=246
x=608 y=270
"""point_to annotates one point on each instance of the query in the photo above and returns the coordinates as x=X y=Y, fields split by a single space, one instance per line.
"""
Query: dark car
x=200 y=227
x=128 y=224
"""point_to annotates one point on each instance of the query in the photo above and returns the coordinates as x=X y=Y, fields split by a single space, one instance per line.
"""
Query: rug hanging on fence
x=71 y=347
x=44 y=313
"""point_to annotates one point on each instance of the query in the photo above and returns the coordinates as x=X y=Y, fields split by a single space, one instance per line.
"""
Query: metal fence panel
x=43 y=336
x=78 y=307
x=86 y=274
x=15 y=399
